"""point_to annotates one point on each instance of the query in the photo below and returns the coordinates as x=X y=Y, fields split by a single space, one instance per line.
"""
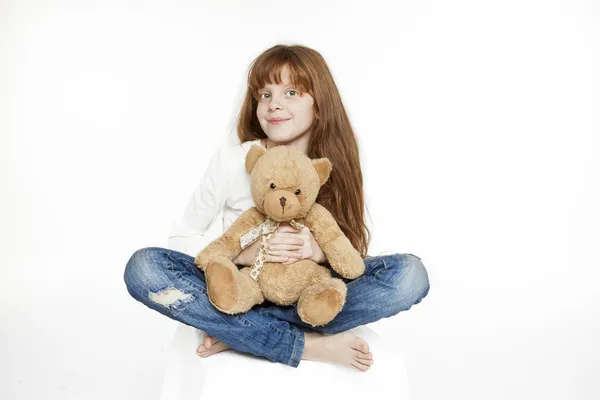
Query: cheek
x=262 y=109
x=300 y=114
x=308 y=113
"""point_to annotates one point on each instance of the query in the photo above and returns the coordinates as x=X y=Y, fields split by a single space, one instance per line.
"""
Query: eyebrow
x=289 y=84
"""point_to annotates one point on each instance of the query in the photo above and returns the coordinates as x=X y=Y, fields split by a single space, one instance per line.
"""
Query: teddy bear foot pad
x=321 y=308
x=222 y=286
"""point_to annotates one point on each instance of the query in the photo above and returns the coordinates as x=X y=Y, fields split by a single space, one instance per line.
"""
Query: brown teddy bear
x=284 y=186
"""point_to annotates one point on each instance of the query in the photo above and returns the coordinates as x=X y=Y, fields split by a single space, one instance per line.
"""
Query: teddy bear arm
x=228 y=244
x=341 y=255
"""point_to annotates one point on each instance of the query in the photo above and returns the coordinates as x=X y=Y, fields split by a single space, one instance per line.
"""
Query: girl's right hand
x=287 y=247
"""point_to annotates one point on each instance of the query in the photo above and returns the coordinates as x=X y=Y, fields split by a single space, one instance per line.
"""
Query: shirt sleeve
x=188 y=233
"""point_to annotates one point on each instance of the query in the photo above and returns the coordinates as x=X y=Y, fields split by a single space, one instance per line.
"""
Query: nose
x=273 y=107
x=274 y=104
x=282 y=201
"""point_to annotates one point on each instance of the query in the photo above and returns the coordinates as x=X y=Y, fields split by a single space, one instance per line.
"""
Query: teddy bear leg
x=321 y=301
x=230 y=290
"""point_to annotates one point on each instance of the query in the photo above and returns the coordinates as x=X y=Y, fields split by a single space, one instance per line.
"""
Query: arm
x=187 y=233
x=341 y=255
x=228 y=244
x=248 y=255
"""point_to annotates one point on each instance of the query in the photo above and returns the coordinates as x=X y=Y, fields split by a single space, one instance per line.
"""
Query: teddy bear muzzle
x=282 y=205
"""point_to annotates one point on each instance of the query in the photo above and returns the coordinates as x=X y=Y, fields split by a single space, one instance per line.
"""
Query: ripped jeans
x=169 y=282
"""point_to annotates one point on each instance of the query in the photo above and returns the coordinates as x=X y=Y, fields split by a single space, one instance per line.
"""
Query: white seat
x=239 y=375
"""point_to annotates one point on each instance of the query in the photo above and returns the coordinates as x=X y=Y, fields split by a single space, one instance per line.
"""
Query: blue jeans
x=169 y=282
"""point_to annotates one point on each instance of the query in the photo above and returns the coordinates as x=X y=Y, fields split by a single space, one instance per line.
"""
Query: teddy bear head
x=284 y=181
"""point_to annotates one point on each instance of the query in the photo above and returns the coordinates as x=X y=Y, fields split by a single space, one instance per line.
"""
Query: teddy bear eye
x=272 y=186
x=297 y=192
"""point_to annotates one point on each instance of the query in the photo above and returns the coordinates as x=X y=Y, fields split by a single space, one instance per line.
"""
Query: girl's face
x=283 y=114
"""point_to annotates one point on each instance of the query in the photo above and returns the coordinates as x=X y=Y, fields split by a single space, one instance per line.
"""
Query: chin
x=279 y=138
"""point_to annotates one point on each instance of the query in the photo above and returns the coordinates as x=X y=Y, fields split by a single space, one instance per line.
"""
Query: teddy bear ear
x=253 y=155
x=323 y=167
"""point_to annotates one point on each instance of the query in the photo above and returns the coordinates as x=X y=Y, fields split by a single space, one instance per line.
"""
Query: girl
x=292 y=100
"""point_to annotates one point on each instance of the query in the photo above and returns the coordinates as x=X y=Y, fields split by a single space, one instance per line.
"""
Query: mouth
x=278 y=120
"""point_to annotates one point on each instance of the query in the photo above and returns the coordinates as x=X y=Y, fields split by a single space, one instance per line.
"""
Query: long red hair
x=332 y=136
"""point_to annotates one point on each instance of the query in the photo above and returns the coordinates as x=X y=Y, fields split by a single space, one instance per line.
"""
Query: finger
x=285 y=253
x=285 y=247
x=287 y=240
x=286 y=235
x=291 y=260
x=275 y=259
x=287 y=228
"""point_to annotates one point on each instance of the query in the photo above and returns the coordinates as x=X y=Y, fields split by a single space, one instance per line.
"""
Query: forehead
x=276 y=76
x=284 y=78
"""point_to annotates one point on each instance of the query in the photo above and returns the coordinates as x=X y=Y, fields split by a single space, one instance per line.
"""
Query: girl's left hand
x=310 y=250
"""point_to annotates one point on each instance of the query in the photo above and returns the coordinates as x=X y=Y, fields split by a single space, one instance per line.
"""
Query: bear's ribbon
x=265 y=229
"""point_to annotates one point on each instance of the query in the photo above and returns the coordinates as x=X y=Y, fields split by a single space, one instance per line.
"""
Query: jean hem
x=297 y=350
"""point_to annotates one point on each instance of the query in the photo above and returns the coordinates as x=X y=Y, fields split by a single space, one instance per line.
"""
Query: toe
x=202 y=353
x=363 y=356
x=361 y=345
x=364 y=362
x=359 y=366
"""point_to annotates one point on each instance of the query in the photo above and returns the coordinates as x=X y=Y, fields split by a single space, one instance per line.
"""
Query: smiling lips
x=277 y=120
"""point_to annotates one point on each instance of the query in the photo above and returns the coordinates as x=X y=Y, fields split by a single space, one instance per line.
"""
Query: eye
x=272 y=186
x=297 y=192
x=265 y=95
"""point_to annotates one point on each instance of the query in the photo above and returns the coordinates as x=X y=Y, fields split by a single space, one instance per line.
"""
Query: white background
x=478 y=127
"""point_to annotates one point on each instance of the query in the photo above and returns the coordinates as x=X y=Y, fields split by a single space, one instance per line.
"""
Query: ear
x=323 y=167
x=253 y=155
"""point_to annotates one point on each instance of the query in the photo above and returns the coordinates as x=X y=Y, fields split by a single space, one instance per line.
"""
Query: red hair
x=332 y=136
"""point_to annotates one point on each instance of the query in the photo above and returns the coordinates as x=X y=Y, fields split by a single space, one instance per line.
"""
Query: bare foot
x=344 y=348
x=211 y=346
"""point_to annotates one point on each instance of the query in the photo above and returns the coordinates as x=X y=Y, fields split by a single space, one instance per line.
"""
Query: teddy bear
x=284 y=184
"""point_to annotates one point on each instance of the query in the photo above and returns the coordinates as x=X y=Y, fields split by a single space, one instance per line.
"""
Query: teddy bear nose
x=282 y=201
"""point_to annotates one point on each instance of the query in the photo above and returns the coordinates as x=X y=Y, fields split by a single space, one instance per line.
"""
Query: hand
x=248 y=255
x=289 y=245
x=285 y=245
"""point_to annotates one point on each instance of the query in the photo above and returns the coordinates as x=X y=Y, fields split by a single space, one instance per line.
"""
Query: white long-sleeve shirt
x=224 y=189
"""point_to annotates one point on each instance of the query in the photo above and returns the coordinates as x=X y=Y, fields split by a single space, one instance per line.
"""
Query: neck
x=301 y=143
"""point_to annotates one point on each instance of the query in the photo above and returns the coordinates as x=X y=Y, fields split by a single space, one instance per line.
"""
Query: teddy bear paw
x=321 y=308
x=221 y=285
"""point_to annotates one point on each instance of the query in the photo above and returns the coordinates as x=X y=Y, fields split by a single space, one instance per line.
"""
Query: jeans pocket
x=389 y=271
